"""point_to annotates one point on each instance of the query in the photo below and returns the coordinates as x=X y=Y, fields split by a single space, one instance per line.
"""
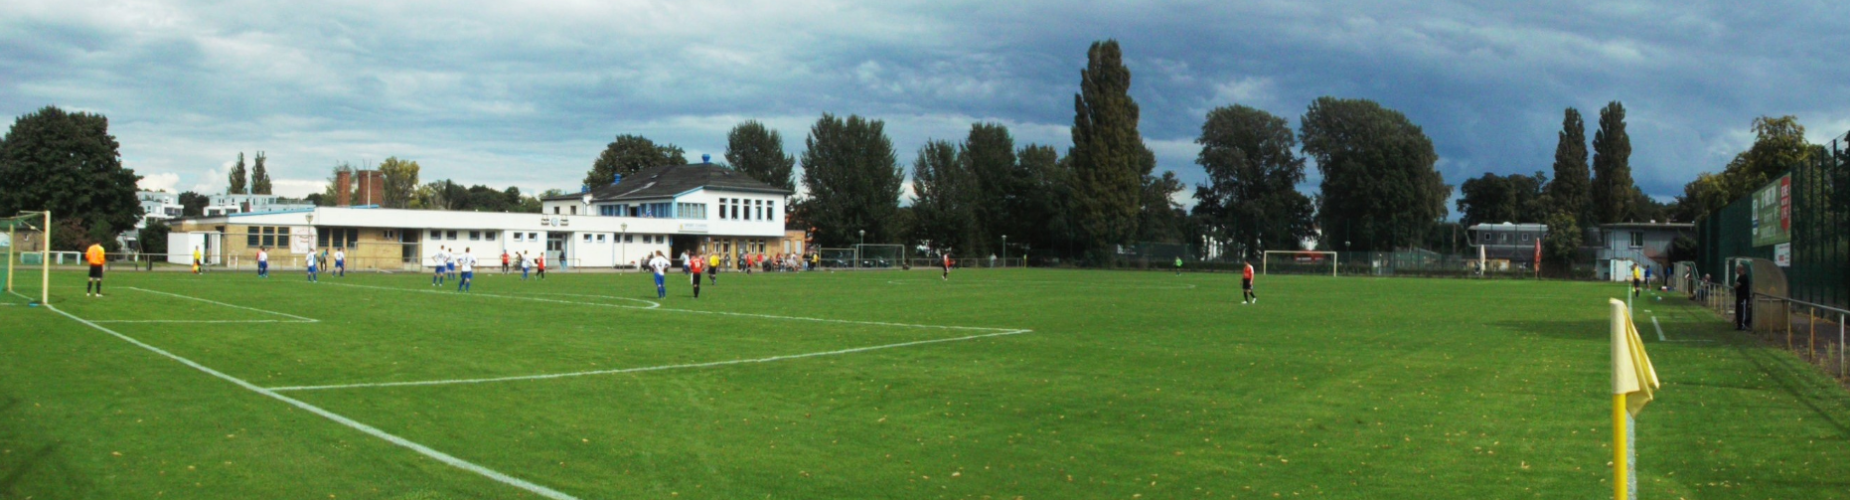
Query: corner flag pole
x=1633 y=381
x=45 y=263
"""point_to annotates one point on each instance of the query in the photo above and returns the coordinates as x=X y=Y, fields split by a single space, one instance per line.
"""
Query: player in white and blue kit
x=466 y=262
x=340 y=263
x=311 y=267
x=660 y=265
x=437 y=265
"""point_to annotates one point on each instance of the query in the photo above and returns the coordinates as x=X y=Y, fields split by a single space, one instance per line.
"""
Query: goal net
x=1297 y=262
x=26 y=272
x=832 y=258
x=881 y=256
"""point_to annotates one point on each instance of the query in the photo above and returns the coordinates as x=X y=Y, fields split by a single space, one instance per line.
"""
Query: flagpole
x=1620 y=481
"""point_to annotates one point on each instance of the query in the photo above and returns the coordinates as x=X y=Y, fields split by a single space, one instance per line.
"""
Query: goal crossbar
x=1295 y=256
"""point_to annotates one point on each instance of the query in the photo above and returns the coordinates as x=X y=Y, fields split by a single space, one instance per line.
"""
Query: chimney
x=343 y=188
x=372 y=187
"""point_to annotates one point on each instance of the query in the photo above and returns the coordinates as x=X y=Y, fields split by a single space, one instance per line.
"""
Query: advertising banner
x=1772 y=215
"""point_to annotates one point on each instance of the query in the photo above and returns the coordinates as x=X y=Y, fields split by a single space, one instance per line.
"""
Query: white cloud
x=164 y=181
x=296 y=188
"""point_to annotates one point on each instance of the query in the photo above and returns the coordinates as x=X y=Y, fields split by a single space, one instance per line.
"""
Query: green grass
x=1127 y=384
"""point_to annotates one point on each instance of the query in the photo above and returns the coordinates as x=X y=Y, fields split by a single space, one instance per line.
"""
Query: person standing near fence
x=196 y=258
x=1178 y=266
x=263 y=262
x=947 y=266
x=1743 y=298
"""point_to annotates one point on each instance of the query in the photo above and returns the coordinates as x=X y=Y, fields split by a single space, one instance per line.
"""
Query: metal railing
x=1804 y=328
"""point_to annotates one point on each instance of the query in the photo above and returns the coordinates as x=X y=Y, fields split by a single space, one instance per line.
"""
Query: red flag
x=1538 y=257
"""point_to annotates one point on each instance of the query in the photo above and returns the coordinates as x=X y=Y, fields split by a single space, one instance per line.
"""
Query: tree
x=628 y=154
x=1492 y=199
x=1611 y=194
x=69 y=164
x=1571 y=184
x=758 y=152
x=1561 y=246
x=1108 y=156
x=989 y=158
x=1708 y=193
x=1159 y=217
x=853 y=180
x=153 y=237
x=260 y=178
x=1046 y=204
x=1380 y=189
x=1251 y=198
x=945 y=212
x=401 y=182
x=236 y=178
x=193 y=204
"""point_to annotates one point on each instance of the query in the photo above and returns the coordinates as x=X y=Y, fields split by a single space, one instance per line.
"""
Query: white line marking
x=1184 y=286
x=646 y=368
x=286 y=315
x=370 y=430
x=656 y=307
x=1660 y=332
x=652 y=304
x=198 y=321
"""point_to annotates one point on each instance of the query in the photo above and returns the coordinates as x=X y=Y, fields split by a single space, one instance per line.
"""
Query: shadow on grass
x=16 y=467
x=1802 y=381
x=1594 y=330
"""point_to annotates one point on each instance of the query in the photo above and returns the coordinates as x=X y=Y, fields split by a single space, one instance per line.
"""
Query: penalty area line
x=299 y=319
x=350 y=423
x=709 y=364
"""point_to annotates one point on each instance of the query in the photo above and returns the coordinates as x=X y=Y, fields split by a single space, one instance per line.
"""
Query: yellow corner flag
x=1632 y=373
x=1633 y=381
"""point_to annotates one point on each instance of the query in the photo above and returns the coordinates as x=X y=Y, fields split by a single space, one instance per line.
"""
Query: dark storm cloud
x=527 y=94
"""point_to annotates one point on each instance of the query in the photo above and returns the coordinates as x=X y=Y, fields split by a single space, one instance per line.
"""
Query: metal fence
x=1816 y=259
x=1813 y=332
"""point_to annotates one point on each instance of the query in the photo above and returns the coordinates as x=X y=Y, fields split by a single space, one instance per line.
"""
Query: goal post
x=15 y=258
x=1298 y=262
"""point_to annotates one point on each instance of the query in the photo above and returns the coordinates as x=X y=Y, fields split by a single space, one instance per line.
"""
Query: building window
x=475 y=236
x=555 y=210
x=491 y=236
x=449 y=235
x=436 y=235
x=770 y=207
x=607 y=210
x=587 y=237
x=1637 y=239
x=535 y=237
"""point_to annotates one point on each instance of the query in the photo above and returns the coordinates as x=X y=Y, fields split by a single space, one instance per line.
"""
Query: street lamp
x=1005 y=250
x=857 y=248
x=624 y=244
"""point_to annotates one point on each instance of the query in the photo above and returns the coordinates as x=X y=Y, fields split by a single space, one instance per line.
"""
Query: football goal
x=24 y=232
x=880 y=256
x=1297 y=262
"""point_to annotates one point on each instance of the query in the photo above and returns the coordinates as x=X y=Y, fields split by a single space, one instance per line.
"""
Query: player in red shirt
x=541 y=263
x=696 y=265
x=947 y=266
x=1246 y=285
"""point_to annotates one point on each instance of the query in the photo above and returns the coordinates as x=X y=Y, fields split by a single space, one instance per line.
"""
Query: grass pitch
x=996 y=384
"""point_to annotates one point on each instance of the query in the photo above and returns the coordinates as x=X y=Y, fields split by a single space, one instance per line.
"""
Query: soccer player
x=94 y=255
x=525 y=264
x=1246 y=285
x=449 y=261
x=263 y=262
x=467 y=263
x=699 y=263
x=436 y=260
x=1637 y=280
x=196 y=259
x=947 y=266
x=340 y=262
x=539 y=262
x=712 y=266
x=1178 y=265
x=504 y=265
x=311 y=267
x=659 y=264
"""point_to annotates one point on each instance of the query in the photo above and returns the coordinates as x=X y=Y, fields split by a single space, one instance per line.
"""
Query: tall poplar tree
x=1108 y=156
x=260 y=178
x=989 y=157
x=1612 y=196
x=1568 y=191
x=947 y=198
x=237 y=179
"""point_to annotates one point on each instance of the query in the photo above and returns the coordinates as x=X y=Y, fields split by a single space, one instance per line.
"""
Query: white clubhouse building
x=671 y=209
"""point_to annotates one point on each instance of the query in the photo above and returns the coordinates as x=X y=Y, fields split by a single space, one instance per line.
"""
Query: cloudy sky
x=528 y=93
